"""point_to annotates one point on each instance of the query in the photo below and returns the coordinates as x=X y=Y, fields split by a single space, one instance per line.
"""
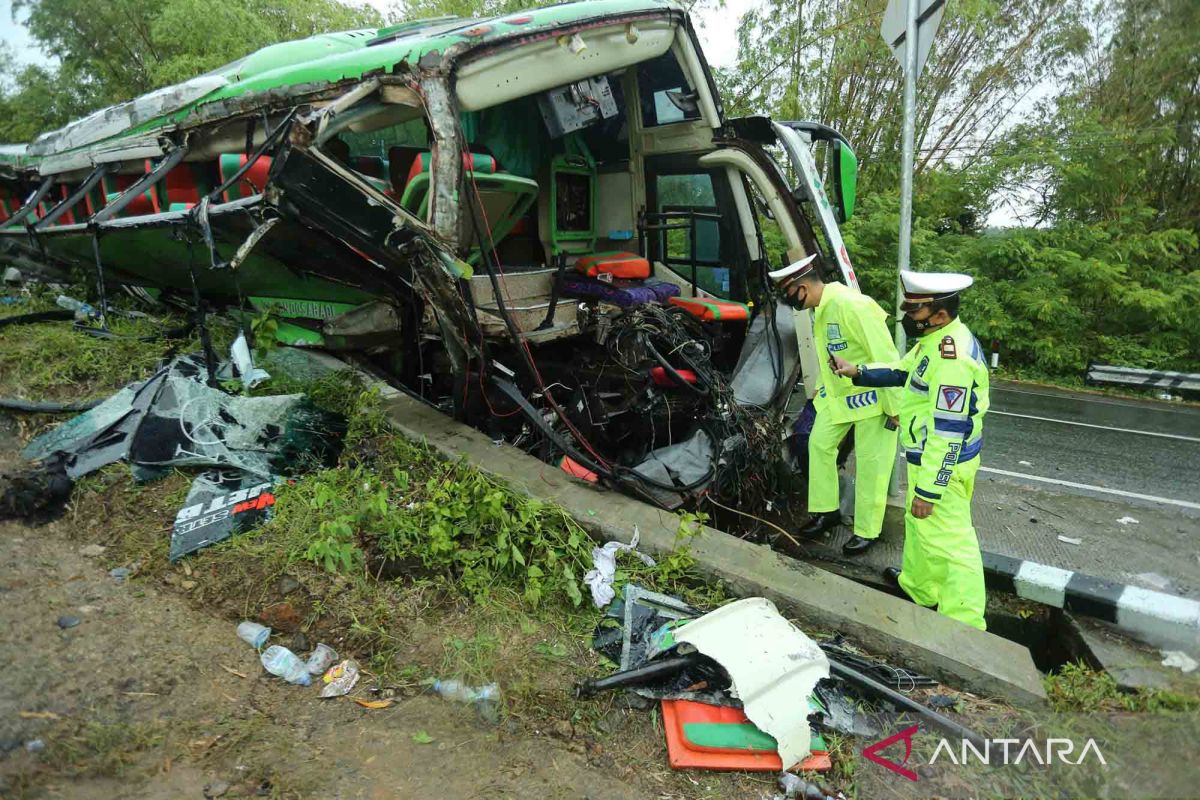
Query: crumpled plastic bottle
x=486 y=698
x=280 y=661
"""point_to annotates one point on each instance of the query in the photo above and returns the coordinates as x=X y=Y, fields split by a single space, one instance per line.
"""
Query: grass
x=57 y=362
x=1078 y=688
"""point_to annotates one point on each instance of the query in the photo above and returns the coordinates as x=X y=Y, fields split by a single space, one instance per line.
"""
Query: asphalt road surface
x=1142 y=452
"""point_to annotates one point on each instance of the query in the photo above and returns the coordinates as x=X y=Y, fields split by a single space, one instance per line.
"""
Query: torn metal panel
x=774 y=667
x=219 y=504
x=108 y=122
x=686 y=465
x=770 y=359
x=376 y=321
x=251 y=240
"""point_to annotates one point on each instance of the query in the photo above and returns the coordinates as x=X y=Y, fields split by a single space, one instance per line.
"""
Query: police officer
x=942 y=405
x=848 y=324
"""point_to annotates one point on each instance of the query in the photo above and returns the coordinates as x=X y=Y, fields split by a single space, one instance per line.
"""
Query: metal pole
x=907 y=147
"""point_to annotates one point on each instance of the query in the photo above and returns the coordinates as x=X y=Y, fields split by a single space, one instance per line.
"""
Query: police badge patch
x=947 y=347
x=952 y=398
x=833 y=331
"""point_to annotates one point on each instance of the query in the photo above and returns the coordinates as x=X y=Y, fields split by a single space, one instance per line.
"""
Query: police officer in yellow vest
x=848 y=324
x=944 y=400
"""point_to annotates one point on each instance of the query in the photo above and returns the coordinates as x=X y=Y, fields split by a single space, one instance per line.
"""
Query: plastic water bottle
x=486 y=698
x=280 y=661
x=253 y=634
x=82 y=310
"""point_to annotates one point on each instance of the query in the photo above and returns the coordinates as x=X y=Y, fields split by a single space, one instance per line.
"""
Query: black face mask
x=914 y=328
x=789 y=299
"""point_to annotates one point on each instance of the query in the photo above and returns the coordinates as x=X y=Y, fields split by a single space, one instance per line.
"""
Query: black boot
x=820 y=523
x=892 y=576
x=857 y=545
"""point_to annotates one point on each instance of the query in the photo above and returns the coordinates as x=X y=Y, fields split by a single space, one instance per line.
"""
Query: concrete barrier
x=905 y=634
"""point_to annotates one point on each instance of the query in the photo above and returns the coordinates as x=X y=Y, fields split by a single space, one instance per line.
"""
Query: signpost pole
x=907 y=146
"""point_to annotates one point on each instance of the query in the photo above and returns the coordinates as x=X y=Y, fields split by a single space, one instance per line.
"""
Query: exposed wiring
x=790 y=538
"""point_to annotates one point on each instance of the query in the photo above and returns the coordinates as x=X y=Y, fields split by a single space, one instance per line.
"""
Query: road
x=1145 y=453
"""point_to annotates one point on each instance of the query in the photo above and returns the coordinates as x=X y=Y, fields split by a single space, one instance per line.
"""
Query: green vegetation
x=1076 y=688
x=1104 y=261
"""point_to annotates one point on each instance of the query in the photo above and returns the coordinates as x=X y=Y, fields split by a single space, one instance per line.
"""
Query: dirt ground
x=152 y=695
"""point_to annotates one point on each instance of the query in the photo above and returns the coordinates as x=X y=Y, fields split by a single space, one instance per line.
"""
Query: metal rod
x=692 y=249
x=24 y=211
x=71 y=201
x=215 y=195
x=895 y=698
x=142 y=185
x=654 y=670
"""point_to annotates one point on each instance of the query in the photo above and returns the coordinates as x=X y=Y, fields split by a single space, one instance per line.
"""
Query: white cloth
x=604 y=563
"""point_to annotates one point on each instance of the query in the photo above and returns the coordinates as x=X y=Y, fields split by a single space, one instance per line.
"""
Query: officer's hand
x=843 y=367
x=921 y=508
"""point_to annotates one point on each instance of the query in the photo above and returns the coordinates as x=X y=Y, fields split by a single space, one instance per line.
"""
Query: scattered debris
x=1127 y=521
x=1180 y=659
x=120 y=573
x=373 y=704
x=37 y=495
x=703 y=736
x=280 y=661
x=253 y=634
x=35 y=746
x=233 y=671
x=38 y=715
x=320 y=659
x=215 y=789
x=942 y=702
x=1069 y=539
x=339 y=679
x=175 y=418
x=604 y=567
x=898 y=678
x=65 y=622
x=88 y=609
x=1025 y=463
x=241 y=359
x=485 y=699
x=92 y=550
x=421 y=737
x=796 y=788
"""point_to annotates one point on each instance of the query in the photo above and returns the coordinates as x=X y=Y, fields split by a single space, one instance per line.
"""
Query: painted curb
x=1154 y=616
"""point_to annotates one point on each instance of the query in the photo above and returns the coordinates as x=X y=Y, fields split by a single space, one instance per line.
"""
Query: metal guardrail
x=1145 y=378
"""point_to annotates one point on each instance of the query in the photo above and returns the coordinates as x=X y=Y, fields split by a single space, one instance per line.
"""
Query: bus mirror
x=844 y=174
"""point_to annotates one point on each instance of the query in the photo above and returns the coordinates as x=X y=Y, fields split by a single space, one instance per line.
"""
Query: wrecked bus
x=541 y=223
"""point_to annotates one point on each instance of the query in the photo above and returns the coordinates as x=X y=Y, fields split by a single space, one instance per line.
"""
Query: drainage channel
x=1048 y=633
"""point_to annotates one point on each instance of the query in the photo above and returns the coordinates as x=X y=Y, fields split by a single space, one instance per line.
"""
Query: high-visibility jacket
x=852 y=326
x=942 y=404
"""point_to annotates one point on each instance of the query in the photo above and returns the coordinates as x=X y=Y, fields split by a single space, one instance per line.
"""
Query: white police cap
x=793 y=270
x=925 y=287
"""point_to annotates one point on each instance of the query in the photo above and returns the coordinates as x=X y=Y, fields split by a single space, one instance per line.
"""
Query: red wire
x=525 y=342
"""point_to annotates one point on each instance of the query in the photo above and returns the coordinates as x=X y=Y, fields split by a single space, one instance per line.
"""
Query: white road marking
x=1178 y=436
x=1088 y=486
x=1157 y=405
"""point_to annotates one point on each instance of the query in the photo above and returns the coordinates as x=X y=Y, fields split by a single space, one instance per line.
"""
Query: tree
x=117 y=50
x=825 y=60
